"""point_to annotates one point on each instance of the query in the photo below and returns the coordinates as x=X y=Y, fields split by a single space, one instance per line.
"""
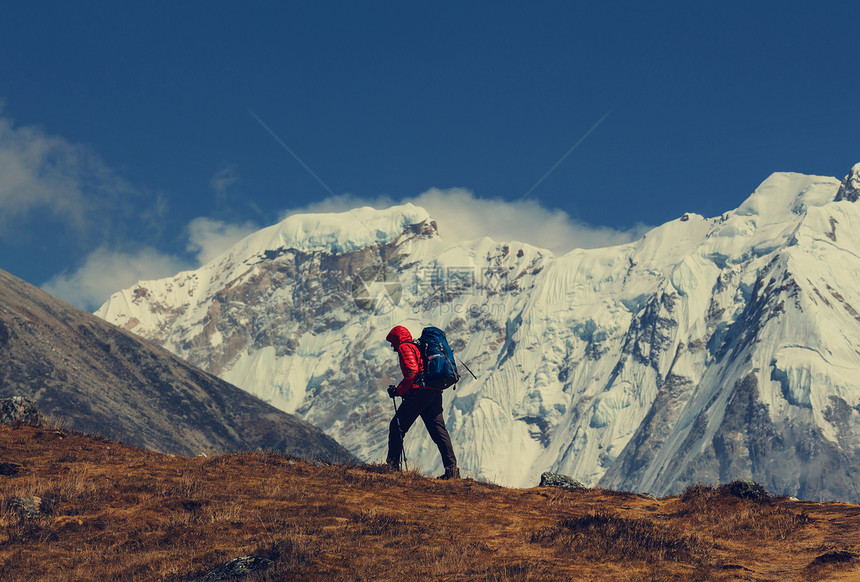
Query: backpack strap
x=422 y=359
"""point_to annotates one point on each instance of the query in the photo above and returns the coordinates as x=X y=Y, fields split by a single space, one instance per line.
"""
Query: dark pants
x=426 y=403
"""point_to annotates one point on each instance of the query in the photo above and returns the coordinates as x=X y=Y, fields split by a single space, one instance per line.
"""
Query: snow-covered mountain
x=711 y=349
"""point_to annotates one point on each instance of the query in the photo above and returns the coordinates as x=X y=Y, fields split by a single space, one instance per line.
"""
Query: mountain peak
x=338 y=232
x=786 y=193
x=647 y=366
x=850 y=188
x=359 y=227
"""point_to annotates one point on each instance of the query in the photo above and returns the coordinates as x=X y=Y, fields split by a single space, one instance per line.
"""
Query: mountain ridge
x=599 y=363
x=98 y=378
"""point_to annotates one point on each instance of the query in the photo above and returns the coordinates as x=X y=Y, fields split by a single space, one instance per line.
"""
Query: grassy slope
x=120 y=513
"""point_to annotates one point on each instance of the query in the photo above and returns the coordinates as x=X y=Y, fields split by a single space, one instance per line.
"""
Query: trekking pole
x=402 y=444
x=467 y=369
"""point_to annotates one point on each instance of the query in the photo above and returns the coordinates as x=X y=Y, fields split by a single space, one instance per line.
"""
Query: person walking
x=418 y=400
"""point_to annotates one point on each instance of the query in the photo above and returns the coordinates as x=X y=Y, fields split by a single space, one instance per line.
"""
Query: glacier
x=709 y=350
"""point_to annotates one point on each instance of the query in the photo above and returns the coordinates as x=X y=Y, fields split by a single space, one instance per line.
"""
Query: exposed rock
x=850 y=188
x=653 y=432
x=835 y=557
x=556 y=480
x=745 y=490
x=837 y=560
x=30 y=507
x=236 y=568
x=9 y=469
x=20 y=409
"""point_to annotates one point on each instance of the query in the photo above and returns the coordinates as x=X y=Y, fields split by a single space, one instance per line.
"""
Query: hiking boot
x=451 y=473
x=393 y=466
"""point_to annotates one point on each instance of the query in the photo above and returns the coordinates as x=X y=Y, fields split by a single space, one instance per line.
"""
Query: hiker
x=418 y=401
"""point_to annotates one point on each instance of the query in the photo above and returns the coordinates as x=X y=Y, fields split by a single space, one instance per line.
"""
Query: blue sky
x=132 y=138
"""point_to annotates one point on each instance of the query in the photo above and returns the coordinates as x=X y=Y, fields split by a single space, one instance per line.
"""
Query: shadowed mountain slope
x=101 y=379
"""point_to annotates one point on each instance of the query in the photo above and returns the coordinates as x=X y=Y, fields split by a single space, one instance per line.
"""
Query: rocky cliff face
x=850 y=188
x=712 y=349
x=100 y=379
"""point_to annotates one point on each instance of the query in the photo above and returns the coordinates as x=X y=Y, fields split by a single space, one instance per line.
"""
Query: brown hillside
x=104 y=380
x=112 y=512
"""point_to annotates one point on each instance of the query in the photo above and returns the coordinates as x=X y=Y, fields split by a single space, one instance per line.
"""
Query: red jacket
x=410 y=359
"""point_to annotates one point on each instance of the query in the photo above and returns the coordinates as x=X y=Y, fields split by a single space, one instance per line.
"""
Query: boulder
x=745 y=490
x=20 y=409
x=30 y=507
x=556 y=480
x=237 y=568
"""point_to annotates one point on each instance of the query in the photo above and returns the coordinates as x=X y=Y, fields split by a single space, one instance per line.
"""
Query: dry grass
x=726 y=515
x=112 y=512
x=602 y=536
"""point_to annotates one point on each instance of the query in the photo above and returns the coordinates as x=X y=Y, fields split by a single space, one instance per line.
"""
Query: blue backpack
x=440 y=371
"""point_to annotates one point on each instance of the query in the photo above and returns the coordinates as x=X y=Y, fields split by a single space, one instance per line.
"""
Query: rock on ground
x=20 y=409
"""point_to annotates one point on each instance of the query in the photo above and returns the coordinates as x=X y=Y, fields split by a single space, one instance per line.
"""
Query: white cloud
x=223 y=179
x=40 y=172
x=208 y=238
x=106 y=271
x=460 y=215
x=48 y=182
x=57 y=192
x=43 y=175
